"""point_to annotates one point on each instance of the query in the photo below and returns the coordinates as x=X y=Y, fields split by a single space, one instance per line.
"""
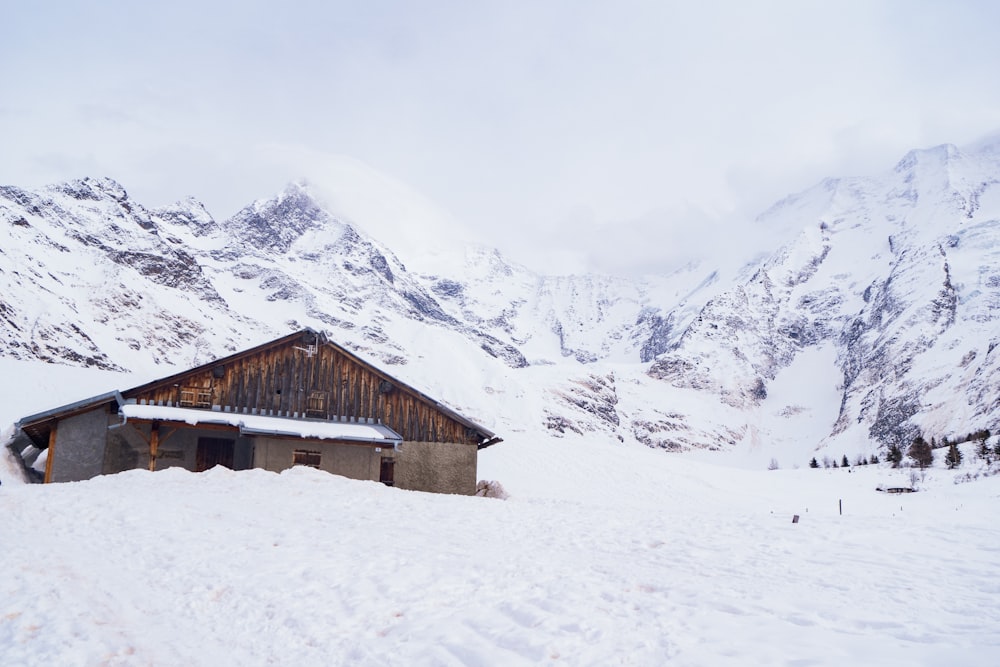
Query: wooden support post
x=154 y=443
x=49 y=456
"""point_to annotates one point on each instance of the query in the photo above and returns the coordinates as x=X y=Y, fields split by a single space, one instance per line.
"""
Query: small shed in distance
x=297 y=400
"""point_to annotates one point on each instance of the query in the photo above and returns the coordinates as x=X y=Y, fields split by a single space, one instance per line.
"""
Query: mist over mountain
x=871 y=319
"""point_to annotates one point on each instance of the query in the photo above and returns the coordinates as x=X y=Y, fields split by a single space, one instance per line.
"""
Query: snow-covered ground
x=604 y=554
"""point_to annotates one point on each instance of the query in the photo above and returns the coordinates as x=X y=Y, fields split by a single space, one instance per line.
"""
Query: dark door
x=213 y=452
x=385 y=474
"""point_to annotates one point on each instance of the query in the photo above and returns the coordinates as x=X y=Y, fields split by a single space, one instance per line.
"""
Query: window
x=305 y=457
x=316 y=404
x=196 y=397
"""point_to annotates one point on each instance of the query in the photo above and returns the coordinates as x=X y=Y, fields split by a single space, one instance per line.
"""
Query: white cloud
x=513 y=117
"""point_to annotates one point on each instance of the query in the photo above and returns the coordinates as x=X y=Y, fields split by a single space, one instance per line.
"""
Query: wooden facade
x=300 y=377
x=304 y=375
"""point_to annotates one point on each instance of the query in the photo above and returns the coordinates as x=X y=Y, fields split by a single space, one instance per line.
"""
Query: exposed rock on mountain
x=594 y=396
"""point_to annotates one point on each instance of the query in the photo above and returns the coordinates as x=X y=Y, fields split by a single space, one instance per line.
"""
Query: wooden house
x=297 y=400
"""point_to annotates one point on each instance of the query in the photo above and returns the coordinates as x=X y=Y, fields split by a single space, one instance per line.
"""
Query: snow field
x=634 y=557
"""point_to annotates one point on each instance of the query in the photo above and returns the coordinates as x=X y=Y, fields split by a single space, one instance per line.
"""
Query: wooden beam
x=50 y=455
x=164 y=438
x=178 y=425
x=154 y=443
x=133 y=424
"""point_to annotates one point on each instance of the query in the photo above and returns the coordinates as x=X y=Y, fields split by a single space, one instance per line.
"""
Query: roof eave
x=71 y=408
x=489 y=443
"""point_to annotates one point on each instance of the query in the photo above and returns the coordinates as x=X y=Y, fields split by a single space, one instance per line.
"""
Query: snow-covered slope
x=872 y=320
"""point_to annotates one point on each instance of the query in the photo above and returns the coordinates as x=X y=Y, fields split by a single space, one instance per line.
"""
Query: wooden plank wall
x=280 y=380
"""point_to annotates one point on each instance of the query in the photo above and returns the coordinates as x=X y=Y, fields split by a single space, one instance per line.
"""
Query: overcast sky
x=575 y=135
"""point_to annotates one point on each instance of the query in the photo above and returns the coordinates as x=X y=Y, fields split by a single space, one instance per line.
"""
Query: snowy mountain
x=872 y=320
x=897 y=275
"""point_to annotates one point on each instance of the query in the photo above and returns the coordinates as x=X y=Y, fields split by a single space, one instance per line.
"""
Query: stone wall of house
x=126 y=450
x=353 y=461
x=85 y=447
x=438 y=467
x=79 y=446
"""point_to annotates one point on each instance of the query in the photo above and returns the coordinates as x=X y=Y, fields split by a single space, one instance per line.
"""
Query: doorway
x=213 y=452
x=386 y=472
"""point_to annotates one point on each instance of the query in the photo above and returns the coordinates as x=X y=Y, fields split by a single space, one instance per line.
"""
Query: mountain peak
x=91 y=188
x=276 y=223
x=297 y=188
x=941 y=154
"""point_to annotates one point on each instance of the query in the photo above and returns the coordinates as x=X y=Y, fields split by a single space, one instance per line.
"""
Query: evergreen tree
x=814 y=463
x=895 y=456
x=843 y=462
x=984 y=452
x=954 y=457
x=921 y=452
x=874 y=459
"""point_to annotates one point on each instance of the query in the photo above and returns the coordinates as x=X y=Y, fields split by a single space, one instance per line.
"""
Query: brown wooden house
x=297 y=400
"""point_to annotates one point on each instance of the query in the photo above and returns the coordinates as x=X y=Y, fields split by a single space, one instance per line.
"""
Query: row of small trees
x=844 y=463
x=922 y=453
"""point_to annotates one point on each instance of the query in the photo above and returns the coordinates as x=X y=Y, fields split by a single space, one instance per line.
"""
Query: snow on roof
x=264 y=425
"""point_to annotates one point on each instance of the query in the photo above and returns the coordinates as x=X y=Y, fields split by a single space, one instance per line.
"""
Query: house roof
x=39 y=425
x=487 y=437
x=249 y=424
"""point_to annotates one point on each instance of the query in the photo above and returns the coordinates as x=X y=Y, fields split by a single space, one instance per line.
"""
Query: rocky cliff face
x=884 y=290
